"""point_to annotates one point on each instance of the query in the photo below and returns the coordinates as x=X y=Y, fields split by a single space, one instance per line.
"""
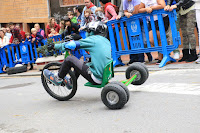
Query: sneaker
x=158 y=62
x=67 y=82
x=52 y=77
x=198 y=61
x=176 y=56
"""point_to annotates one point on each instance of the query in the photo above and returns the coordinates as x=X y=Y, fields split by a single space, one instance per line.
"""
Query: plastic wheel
x=61 y=93
x=113 y=96
x=124 y=87
x=140 y=71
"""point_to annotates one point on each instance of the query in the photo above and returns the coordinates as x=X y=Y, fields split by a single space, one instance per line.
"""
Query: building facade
x=24 y=12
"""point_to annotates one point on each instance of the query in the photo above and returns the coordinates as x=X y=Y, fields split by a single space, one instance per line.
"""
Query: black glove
x=50 y=46
x=76 y=37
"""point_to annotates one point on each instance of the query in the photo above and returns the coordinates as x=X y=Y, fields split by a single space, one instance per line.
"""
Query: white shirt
x=4 y=41
x=149 y=3
x=8 y=35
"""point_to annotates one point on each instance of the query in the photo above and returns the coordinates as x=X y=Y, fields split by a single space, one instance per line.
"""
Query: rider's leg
x=79 y=67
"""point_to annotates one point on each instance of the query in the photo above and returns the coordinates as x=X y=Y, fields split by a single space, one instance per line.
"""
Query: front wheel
x=61 y=93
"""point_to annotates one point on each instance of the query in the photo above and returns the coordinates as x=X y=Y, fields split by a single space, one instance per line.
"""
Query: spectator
x=17 y=26
x=53 y=33
x=78 y=11
x=70 y=28
x=109 y=9
x=4 y=40
x=52 y=24
x=88 y=5
x=16 y=37
x=35 y=36
x=121 y=11
x=40 y=31
x=89 y=17
x=8 y=33
x=131 y=7
x=148 y=6
x=187 y=25
x=62 y=27
x=72 y=17
x=28 y=37
x=197 y=7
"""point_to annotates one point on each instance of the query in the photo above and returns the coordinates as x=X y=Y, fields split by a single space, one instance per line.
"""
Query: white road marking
x=177 y=82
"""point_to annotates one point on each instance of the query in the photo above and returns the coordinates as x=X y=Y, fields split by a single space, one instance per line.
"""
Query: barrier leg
x=165 y=59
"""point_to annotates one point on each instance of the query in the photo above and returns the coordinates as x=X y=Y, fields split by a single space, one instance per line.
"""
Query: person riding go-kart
x=99 y=48
x=98 y=72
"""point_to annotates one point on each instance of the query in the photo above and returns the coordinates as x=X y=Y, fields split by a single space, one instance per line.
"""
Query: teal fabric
x=60 y=46
x=100 y=51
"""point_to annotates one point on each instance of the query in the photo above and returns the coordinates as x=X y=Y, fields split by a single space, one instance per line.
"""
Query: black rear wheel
x=61 y=93
x=113 y=96
x=138 y=70
x=123 y=86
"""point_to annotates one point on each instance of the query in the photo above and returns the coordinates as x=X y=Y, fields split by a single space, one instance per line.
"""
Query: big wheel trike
x=114 y=94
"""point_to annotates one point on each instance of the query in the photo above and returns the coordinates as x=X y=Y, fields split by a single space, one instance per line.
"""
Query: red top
x=56 y=27
x=22 y=33
x=91 y=5
x=110 y=12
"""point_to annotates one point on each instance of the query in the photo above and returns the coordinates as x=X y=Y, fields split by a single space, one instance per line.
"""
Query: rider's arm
x=85 y=44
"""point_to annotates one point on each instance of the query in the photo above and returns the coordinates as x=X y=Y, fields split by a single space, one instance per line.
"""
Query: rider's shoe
x=67 y=82
x=52 y=77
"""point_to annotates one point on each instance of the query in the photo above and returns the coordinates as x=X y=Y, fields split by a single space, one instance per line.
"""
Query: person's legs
x=185 y=42
x=70 y=62
x=79 y=67
x=191 y=19
x=198 y=25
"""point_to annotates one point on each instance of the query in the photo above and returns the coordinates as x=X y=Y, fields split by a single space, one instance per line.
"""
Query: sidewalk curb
x=117 y=70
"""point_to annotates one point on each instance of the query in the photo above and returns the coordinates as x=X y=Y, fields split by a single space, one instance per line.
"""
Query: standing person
x=62 y=27
x=187 y=25
x=3 y=42
x=35 y=36
x=70 y=28
x=8 y=33
x=78 y=11
x=148 y=6
x=17 y=26
x=39 y=30
x=131 y=7
x=52 y=24
x=88 y=5
x=16 y=37
x=197 y=7
x=89 y=17
x=72 y=17
x=108 y=9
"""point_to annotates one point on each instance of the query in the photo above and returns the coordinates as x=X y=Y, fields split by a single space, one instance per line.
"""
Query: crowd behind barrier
x=24 y=53
x=137 y=40
x=134 y=41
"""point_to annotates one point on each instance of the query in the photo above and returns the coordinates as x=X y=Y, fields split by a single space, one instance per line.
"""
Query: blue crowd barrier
x=135 y=38
x=26 y=52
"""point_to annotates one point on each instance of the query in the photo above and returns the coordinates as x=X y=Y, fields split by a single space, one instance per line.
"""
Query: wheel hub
x=136 y=73
x=112 y=97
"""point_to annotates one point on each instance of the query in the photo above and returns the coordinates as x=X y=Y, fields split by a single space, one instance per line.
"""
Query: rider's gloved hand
x=50 y=46
x=72 y=44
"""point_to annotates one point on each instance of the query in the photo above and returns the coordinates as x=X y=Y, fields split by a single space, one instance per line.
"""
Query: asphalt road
x=168 y=102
